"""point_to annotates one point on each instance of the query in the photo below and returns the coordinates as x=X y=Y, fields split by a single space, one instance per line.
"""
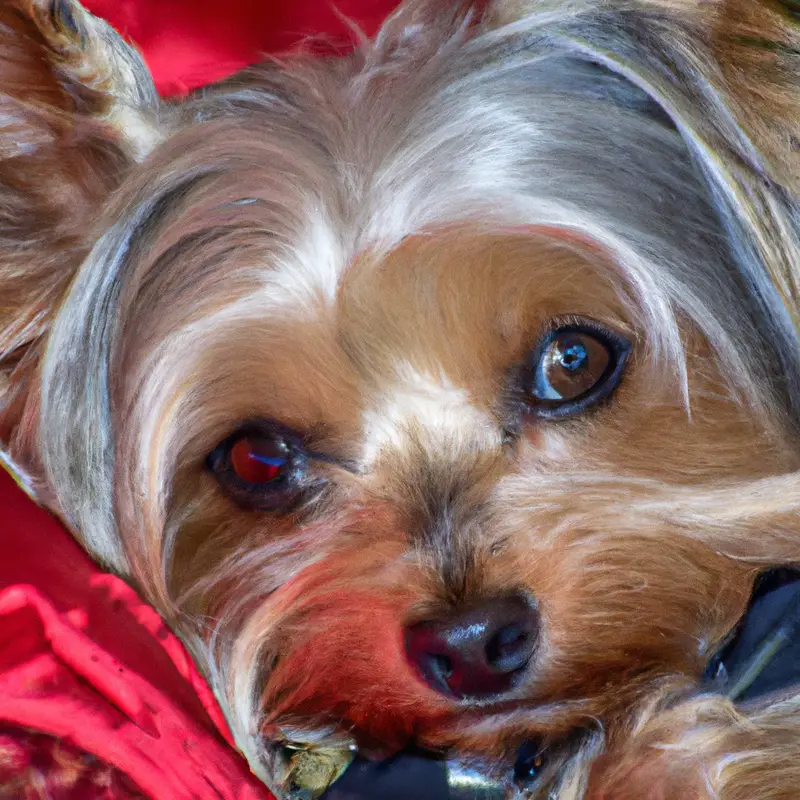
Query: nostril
x=479 y=652
x=442 y=666
x=510 y=648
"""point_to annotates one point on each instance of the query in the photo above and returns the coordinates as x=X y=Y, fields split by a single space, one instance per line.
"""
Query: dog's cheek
x=343 y=656
x=611 y=606
x=645 y=773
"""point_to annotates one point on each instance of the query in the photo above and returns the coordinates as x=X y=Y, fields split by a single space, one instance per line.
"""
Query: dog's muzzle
x=761 y=655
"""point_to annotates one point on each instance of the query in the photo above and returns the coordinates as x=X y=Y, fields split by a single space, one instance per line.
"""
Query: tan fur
x=705 y=747
x=366 y=251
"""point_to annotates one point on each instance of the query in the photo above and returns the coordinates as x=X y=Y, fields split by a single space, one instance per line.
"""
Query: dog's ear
x=757 y=43
x=78 y=108
x=104 y=75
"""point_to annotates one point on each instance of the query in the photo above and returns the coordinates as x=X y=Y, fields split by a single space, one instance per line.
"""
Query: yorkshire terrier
x=442 y=395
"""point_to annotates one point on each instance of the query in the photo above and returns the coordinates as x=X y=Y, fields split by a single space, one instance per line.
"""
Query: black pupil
x=529 y=762
x=574 y=356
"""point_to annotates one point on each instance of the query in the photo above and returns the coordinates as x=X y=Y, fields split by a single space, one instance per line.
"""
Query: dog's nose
x=477 y=653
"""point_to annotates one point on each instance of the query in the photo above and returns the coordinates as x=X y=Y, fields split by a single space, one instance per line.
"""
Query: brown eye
x=260 y=468
x=575 y=367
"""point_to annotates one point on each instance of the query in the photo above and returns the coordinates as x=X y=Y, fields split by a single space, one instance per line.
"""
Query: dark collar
x=763 y=653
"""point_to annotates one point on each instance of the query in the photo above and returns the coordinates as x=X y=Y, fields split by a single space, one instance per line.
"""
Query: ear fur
x=756 y=47
x=78 y=107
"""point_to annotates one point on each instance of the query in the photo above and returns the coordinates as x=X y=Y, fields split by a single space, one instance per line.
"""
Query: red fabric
x=83 y=660
x=190 y=43
x=35 y=766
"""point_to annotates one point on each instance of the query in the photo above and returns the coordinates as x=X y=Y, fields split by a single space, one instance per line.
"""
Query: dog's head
x=435 y=394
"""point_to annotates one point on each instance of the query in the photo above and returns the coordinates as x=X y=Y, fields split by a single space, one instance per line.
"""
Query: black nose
x=477 y=653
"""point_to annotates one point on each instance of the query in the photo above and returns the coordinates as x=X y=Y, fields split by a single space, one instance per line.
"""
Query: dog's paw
x=707 y=747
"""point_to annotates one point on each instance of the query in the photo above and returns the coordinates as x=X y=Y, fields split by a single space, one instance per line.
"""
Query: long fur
x=362 y=248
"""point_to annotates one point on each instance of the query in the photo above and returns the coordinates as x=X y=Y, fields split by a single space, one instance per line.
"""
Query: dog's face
x=421 y=492
x=425 y=493
x=423 y=395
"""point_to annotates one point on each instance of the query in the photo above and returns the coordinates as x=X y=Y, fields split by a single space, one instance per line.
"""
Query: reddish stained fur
x=348 y=647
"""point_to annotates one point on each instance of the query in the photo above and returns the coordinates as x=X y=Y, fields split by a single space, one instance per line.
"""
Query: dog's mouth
x=346 y=775
x=533 y=767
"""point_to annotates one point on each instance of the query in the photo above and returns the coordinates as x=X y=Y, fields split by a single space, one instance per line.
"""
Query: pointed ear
x=104 y=75
x=79 y=108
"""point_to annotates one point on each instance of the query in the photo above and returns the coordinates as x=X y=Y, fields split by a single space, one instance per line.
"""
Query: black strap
x=763 y=654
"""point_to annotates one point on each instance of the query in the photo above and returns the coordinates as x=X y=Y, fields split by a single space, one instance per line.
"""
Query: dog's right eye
x=574 y=367
x=260 y=468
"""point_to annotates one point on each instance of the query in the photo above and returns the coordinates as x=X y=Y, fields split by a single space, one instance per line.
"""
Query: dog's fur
x=366 y=249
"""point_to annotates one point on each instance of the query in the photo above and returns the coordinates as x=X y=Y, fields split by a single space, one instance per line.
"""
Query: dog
x=444 y=394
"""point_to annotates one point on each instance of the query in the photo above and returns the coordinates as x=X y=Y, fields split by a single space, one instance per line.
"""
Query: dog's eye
x=530 y=762
x=574 y=367
x=260 y=469
x=259 y=460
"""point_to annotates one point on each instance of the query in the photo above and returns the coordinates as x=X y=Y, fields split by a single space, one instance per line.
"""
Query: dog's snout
x=477 y=653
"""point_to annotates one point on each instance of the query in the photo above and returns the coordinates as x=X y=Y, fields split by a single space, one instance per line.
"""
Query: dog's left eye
x=575 y=366
x=258 y=460
x=260 y=469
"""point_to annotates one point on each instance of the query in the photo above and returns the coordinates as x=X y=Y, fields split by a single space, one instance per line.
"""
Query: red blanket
x=189 y=43
x=97 y=698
